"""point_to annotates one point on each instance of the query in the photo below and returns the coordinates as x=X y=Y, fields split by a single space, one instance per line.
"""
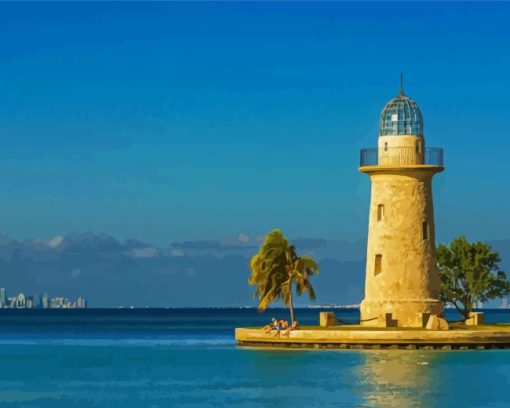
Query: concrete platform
x=357 y=337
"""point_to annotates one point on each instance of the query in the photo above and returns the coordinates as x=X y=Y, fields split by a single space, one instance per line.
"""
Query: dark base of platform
x=336 y=346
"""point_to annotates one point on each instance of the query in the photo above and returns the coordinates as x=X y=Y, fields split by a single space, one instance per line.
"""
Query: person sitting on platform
x=294 y=326
x=271 y=326
x=282 y=325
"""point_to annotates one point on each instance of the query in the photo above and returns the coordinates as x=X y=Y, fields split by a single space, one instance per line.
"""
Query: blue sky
x=175 y=121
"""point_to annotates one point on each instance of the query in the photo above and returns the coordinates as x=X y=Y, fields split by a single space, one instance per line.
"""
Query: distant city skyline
x=39 y=301
x=180 y=121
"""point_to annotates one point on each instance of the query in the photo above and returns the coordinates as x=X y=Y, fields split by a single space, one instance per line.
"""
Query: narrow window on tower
x=380 y=212
x=378 y=264
x=425 y=230
x=386 y=146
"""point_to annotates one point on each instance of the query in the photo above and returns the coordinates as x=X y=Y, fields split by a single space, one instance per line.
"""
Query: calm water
x=187 y=358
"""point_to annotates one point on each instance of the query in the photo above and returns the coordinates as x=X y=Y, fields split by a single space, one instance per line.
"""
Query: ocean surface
x=188 y=358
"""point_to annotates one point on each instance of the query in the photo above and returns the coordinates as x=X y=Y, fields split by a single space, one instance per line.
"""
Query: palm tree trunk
x=291 y=303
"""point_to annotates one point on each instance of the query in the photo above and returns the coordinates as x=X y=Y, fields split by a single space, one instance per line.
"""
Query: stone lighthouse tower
x=402 y=283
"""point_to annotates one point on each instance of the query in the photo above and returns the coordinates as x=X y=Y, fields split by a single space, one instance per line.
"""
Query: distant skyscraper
x=2 y=297
x=45 y=301
x=81 y=303
x=36 y=301
x=19 y=301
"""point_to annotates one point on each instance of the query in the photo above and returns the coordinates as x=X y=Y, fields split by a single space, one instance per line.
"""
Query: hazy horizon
x=206 y=273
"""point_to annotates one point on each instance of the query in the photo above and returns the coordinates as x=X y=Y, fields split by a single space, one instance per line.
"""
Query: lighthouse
x=402 y=283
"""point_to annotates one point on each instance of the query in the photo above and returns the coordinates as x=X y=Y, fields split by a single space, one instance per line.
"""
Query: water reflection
x=397 y=378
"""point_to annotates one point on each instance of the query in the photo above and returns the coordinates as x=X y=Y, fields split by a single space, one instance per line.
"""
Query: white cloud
x=55 y=242
x=177 y=252
x=243 y=237
x=147 y=252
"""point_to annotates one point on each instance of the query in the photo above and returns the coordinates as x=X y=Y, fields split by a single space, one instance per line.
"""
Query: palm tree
x=276 y=268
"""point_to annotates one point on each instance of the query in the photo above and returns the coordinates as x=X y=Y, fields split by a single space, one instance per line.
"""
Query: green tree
x=276 y=268
x=469 y=273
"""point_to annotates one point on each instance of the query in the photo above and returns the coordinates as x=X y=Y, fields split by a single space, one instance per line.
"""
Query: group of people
x=280 y=325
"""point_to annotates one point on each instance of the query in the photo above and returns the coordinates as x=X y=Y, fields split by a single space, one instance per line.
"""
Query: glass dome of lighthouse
x=401 y=116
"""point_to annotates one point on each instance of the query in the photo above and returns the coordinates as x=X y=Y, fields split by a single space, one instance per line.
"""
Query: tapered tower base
x=402 y=284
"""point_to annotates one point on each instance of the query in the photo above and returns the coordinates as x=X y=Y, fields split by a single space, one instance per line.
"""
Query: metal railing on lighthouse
x=373 y=156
